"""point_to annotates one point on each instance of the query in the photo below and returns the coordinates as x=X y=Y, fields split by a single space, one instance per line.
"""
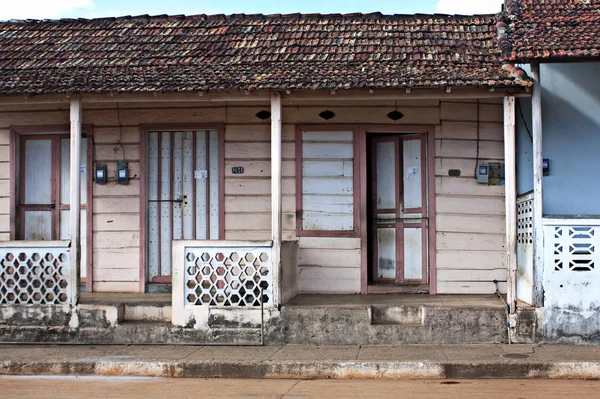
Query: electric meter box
x=122 y=173
x=483 y=173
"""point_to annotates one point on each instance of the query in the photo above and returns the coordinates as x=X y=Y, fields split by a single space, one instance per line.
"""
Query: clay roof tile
x=251 y=52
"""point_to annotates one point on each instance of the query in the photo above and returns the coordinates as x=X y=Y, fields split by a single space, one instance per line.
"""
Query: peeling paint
x=74 y=322
x=571 y=282
x=571 y=370
x=309 y=369
x=134 y=369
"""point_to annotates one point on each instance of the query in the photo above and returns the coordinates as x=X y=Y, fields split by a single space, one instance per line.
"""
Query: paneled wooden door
x=399 y=210
x=44 y=186
x=182 y=194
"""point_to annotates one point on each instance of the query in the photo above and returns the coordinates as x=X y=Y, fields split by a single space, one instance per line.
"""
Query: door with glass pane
x=399 y=210
x=44 y=190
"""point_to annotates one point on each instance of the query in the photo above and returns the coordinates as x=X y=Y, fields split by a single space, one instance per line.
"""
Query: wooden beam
x=538 y=233
x=510 y=188
x=276 y=213
x=75 y=197
x=462 y=93
x=136 y=98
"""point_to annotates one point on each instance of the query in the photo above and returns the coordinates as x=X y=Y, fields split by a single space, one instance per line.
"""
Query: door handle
x=178 y=200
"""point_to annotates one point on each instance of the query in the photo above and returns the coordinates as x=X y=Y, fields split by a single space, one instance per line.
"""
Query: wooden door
x=182 y=194
x=44 y=190
x=399 y=210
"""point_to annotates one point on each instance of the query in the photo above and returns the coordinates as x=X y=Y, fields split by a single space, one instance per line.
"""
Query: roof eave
x=456 y=92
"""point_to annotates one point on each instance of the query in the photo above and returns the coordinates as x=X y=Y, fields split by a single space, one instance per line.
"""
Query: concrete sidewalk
x=306 y=362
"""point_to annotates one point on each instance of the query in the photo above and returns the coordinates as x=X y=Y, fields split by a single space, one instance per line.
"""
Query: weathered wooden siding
x=329 y=265
x=470 y=216
x=4 y=183
x=328 y=180
x=248 y=196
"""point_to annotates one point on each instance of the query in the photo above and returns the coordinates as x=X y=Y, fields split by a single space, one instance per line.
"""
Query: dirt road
x=150 y=388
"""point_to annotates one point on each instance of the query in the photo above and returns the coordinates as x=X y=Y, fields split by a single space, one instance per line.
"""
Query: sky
x=53 y=9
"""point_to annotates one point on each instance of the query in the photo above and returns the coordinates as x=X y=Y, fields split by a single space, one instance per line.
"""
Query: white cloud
x=40 y=9
x=469 y=6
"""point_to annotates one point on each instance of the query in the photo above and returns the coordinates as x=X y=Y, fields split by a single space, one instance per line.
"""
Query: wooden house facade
x=240 y=161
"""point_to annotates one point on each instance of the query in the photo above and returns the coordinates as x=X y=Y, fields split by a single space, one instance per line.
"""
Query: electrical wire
x=120 y=132
x=478 y=134
x=524 y=121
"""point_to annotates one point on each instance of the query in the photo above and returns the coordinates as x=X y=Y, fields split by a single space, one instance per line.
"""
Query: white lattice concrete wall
x=525 y=277
x=213 y=275
x=35 y=273
x=571 y=279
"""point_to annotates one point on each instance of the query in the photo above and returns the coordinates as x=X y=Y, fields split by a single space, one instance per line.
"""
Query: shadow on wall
x=571 y=139
x=524 y=146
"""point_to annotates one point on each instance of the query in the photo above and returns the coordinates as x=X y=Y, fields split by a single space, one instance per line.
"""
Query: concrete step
x=147 y=312
x=116 y=309
x=406 y=315
x=236 y=336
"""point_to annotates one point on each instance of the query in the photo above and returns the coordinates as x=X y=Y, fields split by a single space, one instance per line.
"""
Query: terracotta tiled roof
x=251 y=52
x=551 y=29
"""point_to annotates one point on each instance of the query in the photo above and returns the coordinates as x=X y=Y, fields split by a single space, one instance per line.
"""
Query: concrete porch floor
x=117 y=298
x=320 y=300
x=377 y=319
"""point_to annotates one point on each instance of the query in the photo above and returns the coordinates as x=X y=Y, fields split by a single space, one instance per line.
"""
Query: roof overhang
x=448 y=93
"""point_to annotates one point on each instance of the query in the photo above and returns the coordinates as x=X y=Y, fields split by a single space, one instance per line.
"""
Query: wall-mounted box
x=100 y=175
x=122 y=173
x=491 y=173
x=546 y=167
x=483 y=173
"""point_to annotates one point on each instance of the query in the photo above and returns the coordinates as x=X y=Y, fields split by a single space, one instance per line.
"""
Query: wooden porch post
x=510 y=188
x=538 y=171
x=75 y=196
x=276 y=195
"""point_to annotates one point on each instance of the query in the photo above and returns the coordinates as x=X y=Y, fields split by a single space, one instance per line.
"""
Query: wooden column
x=276 y=216
x=75 y=196
x=510 y=170
x=538 y=233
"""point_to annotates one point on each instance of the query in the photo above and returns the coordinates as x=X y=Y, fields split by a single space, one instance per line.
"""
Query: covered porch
x=272 y=281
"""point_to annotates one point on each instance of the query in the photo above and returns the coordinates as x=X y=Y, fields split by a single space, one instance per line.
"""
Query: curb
x=310 y=369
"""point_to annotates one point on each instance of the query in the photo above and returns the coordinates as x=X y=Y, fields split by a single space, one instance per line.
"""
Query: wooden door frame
x=398 y=190
x=54 y=139
x=181 y=127
x=428 y=130
x=16 y=134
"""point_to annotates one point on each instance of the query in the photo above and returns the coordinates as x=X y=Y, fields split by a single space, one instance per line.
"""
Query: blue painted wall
x=524 y=146
x=571 y=139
